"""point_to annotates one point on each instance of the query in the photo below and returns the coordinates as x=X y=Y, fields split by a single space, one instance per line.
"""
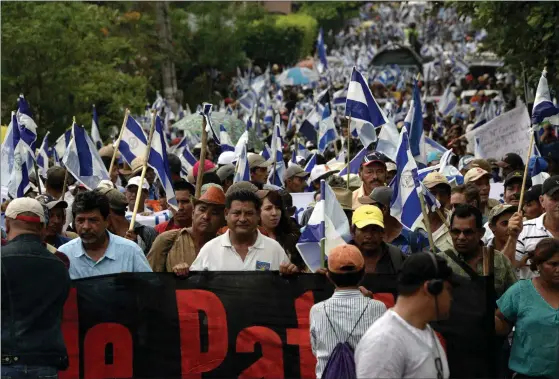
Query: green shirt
x=505 y=275
x=535 y=344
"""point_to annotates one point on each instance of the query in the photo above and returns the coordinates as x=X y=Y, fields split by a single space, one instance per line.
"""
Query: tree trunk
x=168 y=71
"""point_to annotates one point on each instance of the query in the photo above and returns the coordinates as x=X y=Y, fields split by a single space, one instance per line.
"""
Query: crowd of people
x=71 y=232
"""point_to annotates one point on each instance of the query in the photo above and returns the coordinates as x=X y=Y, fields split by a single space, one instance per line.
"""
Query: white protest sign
x=301 y=202
x=508 y=133
x=497 y=191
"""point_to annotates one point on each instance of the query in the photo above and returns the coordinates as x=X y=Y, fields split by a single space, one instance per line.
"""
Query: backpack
x=341 y=363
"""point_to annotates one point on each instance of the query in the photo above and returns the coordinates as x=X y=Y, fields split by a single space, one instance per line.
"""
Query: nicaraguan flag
x=543 y=106
x=82 y=159
x=279 y=99
x=43 y=157
x=206 y=113
x=310 y=164
x=322 y=64
x=27 y=127
x=159 y=102
x=269 y=116
x=95 y=135
x=405 y=205
x=188 y=160
x=302 y=151
x=326 y=130
x=242 y=171
x=414 y=123
x=537 y=167
x=133 y=142
x=310 y=123
x=340 y=97
x=21 y=161
x=158 y=161
x=248 y=101
x=448 y=102
x=363 y=109
x=354 y=164
x=226 y=144
x=328 y=222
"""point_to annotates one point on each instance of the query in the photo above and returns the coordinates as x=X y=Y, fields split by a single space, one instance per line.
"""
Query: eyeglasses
x=439 y=367
x=467 y=232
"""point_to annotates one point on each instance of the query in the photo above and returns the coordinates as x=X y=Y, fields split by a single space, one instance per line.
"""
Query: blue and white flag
x=188 y=160
x=302 y=151
x=21 y=161
x=43 y=157
x=310 y=124
x=248 y=101
x=363 y=109
x=431 y=202
x=242 y=171
x=537 y=167
x=95 y=135
x=448 y=102
x=414 y=123
x=543 y=106
x=310 y=164
x=355 y=163
x=207 y=113
x=159 y=102
x=340 y=97
x=159 y=162
x=27 y=127
x=322 y=64
x=133 y=142
x=279 y=99
x=326 y=130
x=82 y=159
x=328 y=222
x=226 y=144
x=56 y=159
x=269 y=116
x=278 y=169
x=405 y=205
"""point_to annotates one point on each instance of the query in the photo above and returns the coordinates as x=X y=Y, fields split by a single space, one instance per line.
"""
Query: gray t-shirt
x=392 y=348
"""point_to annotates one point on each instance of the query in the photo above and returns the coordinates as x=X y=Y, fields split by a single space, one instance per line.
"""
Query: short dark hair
x=210 y=177
x=183 y=185
x=175 y=164
x=89 y=201
x=470 y=191
x=466 y=211
x=545 y=250
x=350 y=279
x=244 y=196
x=107 y=161
x=55 y=178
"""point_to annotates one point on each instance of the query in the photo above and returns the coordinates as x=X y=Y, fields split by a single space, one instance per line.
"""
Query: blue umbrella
x=297 y=76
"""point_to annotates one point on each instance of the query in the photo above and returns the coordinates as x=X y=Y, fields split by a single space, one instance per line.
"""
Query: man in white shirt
x=242 y=247
x=401 y=344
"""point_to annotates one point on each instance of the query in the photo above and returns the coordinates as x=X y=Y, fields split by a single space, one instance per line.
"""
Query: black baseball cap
x=373 y=157
x=551 y=186
x=419 y=268
x=516 y=176
x=511 y=160
x=533 y=193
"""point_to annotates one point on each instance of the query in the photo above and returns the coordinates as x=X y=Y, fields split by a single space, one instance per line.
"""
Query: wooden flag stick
x=522 y=190
x=348 y=155
x=117 y=145
x=37 y=175
x=144 y=170
x=202 y=159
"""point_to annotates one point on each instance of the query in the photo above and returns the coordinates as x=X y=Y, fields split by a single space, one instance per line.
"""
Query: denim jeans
x=25 y=371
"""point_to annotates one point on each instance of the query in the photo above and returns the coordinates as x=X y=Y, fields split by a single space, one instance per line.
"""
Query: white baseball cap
x=26 y=205
x=135 y=181
x=320 y=172
x=227 y=157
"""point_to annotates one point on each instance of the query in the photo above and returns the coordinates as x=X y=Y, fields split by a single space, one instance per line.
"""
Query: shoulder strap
x=330 y=322
x=466 y=267
x=358 y=320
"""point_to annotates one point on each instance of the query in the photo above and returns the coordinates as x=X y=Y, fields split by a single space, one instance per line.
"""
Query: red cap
x=228 y=100
x=208 y=165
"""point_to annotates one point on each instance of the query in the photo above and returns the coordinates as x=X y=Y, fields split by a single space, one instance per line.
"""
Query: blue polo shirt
x=122 y=255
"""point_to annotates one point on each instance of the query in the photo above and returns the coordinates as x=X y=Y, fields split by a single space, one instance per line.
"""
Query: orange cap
x=213 y=196
x=344 y=259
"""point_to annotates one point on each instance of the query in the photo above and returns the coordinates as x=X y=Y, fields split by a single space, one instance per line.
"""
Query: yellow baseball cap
x=367 y=215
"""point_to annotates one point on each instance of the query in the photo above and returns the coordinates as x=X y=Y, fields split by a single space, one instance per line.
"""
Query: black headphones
x=435 y=286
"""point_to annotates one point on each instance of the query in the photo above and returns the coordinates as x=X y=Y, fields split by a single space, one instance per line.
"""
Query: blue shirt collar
x=109 y=252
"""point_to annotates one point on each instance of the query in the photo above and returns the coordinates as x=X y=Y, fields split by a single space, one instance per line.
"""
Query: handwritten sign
x=508 y=133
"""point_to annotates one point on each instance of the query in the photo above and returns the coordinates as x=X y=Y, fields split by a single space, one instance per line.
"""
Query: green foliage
x=523 y=33
x=330 y=15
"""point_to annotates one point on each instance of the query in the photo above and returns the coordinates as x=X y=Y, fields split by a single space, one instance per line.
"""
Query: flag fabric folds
x=82 y=159
x=207 y=113
x=448 y=102
x=405 y=205
x=27 y=127
x=328 y=222
x=43 y=156
x=326 y=130
x=322 y=64
x=543 y=106
x=21 y=161
x=242 y=171
x=159 y=162
x=95 y=135
x=133 y=142
x=414 y=123
x=355 y=163
x=226 y=144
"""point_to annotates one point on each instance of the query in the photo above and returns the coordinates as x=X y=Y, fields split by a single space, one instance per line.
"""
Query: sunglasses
x=467 y=232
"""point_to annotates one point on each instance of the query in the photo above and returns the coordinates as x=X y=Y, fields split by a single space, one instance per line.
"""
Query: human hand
x=181 y=269
x=288 y=269
x=515 y=224
x=131 y=235
x=321 y=270
x=366 y=292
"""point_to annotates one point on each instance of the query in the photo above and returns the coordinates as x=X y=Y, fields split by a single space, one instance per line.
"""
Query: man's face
x=114 y=174
x=483 y=185
x=57 y=218
x=131 y=192
x=373 y=175
x=150 y=175
x=500 y=228
x=259 y=175
x=242 y=218
x=183 y=216
x=457 y=198
x=367 y=239
x=206 y=218
x=550 y=205
x=90 y=226
x=442 y=193
x=465 y=235
x=512 y=193
x=295 y=184
x=532 y=209
x=444 y=301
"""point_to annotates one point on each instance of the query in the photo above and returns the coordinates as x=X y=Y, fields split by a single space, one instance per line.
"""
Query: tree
x=525 y=34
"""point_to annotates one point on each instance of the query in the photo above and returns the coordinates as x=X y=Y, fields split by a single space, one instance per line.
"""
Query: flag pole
x=126 y=113
x=65 y=184
x=144 y=170
x=426 y=222
x=323 y=227
x=348 y=143
x=202 y=159
x=38 y=177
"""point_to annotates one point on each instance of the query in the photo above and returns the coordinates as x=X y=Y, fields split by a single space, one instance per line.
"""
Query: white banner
x=301 y=202
x=508 y=133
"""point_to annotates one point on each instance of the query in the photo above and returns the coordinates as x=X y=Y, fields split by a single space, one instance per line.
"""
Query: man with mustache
x=480 y=178
x=372 y=173
x=175 y=250
x=513 y=187
x=97 y=251
x=182 y=217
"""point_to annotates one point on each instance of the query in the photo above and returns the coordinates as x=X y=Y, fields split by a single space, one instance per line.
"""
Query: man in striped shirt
x=347 y=315
x=526 y=236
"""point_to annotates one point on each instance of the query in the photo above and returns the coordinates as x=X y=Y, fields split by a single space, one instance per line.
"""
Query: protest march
x=388 y=207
